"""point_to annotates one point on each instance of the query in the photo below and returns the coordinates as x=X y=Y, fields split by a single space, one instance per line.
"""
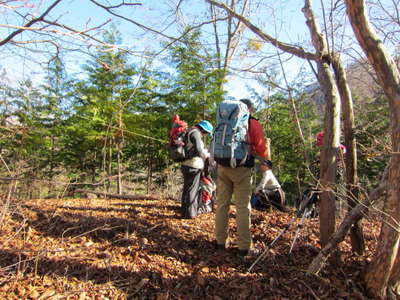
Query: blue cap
x=206 y=126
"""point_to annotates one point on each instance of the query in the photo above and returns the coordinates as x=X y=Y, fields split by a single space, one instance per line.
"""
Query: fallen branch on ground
x=353 y=216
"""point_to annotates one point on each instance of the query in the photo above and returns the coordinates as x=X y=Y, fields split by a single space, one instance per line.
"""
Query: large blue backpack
x=230 y=146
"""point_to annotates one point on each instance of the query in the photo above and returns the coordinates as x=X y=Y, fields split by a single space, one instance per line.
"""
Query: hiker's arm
x=198 y=143
x=257 y=139
x=262 y=183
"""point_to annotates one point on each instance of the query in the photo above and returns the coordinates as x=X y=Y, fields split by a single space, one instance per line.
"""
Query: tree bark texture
x=352 y=189
x=383 y=267
x=330 y=148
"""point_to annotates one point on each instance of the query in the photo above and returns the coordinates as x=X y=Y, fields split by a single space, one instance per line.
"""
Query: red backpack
x=178 y=136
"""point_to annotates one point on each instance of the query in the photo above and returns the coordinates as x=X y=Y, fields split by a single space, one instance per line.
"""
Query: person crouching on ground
x=191 y=169
x=269 y=189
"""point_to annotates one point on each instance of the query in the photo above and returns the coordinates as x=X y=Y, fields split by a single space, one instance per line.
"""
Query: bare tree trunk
x=119 y=177
x=327 y=217
x=109 y=168
x=149 y=169
x=234 y=32
x=352 y=217
x=328 y=167
x=352 y=189
x=30 y=184
x=120 y=143
x=382 y=273
x=51 y=167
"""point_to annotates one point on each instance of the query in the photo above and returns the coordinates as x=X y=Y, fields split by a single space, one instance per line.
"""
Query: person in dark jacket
x=192 y=168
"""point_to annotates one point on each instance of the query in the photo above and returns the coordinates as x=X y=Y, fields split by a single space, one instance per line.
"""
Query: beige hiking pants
x=235 y=182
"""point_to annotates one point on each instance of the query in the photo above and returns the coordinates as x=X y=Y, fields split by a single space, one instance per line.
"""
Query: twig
x=154 y=227
x=140 y=285
x=264 y=254
x=311 y=290
x=354 y=215
x=87 y=232
x=30 y=23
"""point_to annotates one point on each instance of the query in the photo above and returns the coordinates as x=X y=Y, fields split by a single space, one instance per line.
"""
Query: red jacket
x=257 y=141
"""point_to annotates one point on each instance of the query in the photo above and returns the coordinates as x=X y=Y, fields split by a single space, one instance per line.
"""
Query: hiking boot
x=247 y=253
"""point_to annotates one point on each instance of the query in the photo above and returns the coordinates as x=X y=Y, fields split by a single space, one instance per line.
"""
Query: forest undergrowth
x=117 y=249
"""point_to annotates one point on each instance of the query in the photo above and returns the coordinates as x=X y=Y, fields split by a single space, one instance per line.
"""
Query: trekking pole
x=264 y=254
x=299 y=227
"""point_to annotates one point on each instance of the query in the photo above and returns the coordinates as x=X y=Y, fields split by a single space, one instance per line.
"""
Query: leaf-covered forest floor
x=118 y=249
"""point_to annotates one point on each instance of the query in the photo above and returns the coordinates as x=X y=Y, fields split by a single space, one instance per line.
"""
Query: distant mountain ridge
x=361 y=80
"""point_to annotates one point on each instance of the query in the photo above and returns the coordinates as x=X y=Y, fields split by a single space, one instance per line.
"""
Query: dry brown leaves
x=112 y=249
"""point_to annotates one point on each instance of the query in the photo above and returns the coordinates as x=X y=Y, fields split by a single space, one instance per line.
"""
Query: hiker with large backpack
x=238 y=138
x=192 y=166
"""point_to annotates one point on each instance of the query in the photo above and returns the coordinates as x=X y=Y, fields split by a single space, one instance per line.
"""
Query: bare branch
x=82 y=32
x=319 y=42
x=297 y=51
x=353 y=216
x=74 y=33
x=130 y=20
x=123 y=4
x=29 y=24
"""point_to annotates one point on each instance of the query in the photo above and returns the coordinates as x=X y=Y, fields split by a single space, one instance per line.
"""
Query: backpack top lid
x=233 y=112
x=178 y=126
x=177 y=122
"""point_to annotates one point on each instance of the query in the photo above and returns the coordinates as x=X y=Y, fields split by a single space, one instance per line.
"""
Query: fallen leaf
x=34 y=294
x=47 y=294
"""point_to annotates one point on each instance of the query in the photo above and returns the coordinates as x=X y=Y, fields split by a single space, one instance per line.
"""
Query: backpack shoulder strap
x=249 y=130
x=189 y=135
x=233 y=111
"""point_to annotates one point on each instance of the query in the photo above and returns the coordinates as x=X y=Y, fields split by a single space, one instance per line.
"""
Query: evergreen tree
x=196 y=84
x=55 y=112
x=373 y=136
x=100 y=101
